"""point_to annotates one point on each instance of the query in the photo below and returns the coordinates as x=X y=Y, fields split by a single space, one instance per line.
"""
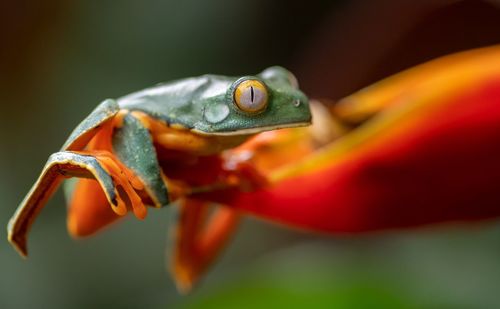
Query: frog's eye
x=250 y=96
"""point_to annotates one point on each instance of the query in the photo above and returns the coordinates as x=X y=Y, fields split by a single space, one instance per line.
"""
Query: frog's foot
x=125 y=185
x=198 y=241
x=88 y=208
x=118 y=184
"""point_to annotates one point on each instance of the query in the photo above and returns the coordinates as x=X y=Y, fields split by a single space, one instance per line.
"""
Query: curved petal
x=429 y=154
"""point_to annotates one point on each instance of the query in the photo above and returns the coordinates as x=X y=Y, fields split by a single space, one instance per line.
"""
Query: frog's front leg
x=200 y=234
x=199 y=237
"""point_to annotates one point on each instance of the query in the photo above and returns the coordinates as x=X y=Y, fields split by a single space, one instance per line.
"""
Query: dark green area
x=133 y=145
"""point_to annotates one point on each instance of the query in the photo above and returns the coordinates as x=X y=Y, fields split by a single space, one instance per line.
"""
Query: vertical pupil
x=251 y=93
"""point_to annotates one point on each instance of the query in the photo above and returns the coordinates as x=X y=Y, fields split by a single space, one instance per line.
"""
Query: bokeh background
x=59 y=59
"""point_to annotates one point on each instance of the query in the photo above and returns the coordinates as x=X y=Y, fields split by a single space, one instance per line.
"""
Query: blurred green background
x=58 y=59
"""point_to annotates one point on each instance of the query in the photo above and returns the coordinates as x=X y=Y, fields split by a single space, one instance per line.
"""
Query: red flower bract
x=430 y=153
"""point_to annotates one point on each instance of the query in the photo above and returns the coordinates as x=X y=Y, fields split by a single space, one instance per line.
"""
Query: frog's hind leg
x=132 y=147
x=131 y=144
x=198 y=241
x=112 y=147
x=112 y=178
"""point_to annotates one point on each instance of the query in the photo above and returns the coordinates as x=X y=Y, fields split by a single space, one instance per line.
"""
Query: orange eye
x=250 y=96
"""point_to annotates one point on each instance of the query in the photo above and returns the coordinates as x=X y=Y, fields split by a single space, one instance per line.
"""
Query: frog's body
x=123 y=142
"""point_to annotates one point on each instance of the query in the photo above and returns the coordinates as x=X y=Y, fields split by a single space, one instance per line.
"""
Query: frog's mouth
x=256 y=130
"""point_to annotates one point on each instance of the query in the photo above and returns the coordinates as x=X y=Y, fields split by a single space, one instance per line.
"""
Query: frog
x=122 y=152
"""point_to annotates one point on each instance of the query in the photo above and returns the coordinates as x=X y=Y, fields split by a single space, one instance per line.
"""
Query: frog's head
x=252 y=104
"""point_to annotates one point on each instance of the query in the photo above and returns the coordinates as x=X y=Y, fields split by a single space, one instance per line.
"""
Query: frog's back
x=176 y=101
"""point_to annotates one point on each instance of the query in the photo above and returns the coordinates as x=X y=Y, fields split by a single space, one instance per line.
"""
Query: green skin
x=191 y=101
x=202 y=104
